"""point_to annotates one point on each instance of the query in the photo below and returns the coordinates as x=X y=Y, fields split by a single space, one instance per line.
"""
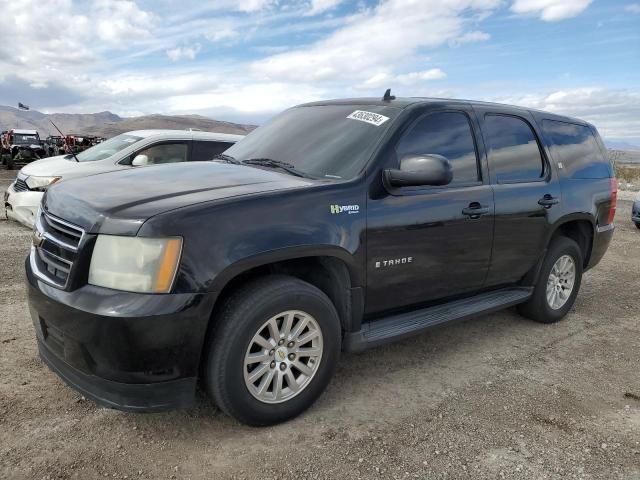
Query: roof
x=187 y=135
x=404 y=102
x=24 y=132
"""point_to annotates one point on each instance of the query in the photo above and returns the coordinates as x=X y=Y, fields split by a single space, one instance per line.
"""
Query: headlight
x=135 y=264
x=40 y=183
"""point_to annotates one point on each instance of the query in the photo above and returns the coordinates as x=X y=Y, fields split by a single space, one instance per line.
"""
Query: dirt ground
x=495 y=397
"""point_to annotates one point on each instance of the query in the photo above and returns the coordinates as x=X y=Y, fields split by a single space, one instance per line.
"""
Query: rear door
x=426 y=243
x=526 y=192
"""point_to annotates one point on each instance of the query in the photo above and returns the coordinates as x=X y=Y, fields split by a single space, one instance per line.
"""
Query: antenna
x=387 y=96
x=64 y=136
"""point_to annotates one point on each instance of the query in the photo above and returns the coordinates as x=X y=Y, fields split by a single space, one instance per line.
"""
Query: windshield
x=320 y=141
x=107 y=148
x=24 y=139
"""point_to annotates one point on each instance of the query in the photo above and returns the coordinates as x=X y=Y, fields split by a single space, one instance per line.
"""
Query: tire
x=539 y=307
x=241 y=319
x=638 y=225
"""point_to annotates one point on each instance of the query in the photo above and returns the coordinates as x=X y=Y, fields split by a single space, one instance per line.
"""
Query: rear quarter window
x=576 y=149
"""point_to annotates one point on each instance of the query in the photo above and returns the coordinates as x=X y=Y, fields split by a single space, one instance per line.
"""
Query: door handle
x=548 y=201
x=475 y=210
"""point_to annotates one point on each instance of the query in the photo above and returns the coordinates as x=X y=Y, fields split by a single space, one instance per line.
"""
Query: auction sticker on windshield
x=368 y=117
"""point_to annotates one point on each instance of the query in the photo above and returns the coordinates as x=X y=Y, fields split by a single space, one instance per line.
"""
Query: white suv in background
x=131 y=149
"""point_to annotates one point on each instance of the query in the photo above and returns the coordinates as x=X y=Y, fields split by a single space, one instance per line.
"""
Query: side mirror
x=140 y=161
x=419 y=170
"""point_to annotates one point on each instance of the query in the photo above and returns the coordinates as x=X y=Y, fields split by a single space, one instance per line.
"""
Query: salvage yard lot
x=498 y=396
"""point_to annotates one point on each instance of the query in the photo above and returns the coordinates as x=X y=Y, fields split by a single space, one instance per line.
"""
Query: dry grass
x=628 y=176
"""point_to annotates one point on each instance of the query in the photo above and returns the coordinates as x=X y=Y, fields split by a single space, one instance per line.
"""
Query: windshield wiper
x=271 y=163
x=226 y=158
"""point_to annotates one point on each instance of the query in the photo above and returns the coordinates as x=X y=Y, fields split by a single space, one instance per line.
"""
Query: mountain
x=621 y=145
x=107 y=124
x=177 y=122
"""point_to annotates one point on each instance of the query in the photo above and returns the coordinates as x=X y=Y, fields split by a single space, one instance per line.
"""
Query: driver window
x=448 y=134
x=165 y=153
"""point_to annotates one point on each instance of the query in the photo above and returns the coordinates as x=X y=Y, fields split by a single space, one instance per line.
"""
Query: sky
x=246 y=60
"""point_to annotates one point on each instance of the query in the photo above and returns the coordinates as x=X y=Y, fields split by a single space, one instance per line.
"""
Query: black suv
x=339 y=225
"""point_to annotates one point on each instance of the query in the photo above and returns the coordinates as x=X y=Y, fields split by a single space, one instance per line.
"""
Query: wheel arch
x=332 y=270
x=578 y=227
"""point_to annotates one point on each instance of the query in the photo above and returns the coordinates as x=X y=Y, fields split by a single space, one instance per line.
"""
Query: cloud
x=614 y=112
x=252 y=5
x=118 y=22
x=386 y=79
x=183 y=53
x=257 y=57
x=222 y=33
x=320 y=6
x=633 y=8
x=550 y=10
x=374 y=39
x=475 y=36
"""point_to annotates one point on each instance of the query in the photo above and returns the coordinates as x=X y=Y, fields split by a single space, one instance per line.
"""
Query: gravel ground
x=496 y=397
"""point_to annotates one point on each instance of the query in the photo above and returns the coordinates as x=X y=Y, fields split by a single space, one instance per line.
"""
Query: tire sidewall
x=561 y=247
x=231 y=355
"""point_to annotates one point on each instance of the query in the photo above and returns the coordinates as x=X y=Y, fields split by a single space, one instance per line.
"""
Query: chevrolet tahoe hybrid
x=337 y=226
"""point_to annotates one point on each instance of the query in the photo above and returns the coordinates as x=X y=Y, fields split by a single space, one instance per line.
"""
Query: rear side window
x=514 y=153
x=208 y=150
x=576 y=150
x=448 y=134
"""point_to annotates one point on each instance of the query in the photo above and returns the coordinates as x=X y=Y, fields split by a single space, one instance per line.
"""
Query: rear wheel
x=274 y=351
x=558 y=283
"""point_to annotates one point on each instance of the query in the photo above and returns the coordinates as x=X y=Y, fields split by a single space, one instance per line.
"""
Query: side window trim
x=546 y=166
x=479 y=171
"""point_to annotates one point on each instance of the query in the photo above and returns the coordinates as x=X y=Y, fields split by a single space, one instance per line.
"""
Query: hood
x=61 y=166
x=120 y=202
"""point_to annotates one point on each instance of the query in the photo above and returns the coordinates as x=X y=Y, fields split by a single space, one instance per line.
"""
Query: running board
x=403 y=325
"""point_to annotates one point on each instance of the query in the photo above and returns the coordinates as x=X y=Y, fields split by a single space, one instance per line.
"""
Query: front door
x=435 y=242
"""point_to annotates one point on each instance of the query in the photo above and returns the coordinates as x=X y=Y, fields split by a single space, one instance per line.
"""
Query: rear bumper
x=124 y=350
x=22 y=206
x=601 y=240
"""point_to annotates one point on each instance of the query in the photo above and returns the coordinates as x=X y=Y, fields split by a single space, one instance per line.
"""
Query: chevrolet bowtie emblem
x=281 y=355
x=37 y=238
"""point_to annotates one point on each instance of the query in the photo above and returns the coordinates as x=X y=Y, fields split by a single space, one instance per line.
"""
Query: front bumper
x=22 y=206
x=124 y=350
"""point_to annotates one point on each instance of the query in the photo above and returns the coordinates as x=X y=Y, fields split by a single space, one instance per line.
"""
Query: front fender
x=282 y=254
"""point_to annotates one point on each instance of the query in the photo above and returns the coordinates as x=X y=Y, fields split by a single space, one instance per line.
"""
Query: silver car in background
x=132 y=149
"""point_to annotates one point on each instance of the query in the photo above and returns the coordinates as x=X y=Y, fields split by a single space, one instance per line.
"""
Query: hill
x=107 y=124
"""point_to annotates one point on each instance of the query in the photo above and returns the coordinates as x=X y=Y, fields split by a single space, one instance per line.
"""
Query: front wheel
x=558 y=283
x=274 y=350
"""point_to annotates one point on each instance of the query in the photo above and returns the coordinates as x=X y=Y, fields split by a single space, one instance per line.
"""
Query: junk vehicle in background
x=132 y=149
x=79 y=143
x=21 y=146
x=54 y=145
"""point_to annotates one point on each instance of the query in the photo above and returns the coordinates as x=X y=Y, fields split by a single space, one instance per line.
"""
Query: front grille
x=55 y=250
x=20 y=185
